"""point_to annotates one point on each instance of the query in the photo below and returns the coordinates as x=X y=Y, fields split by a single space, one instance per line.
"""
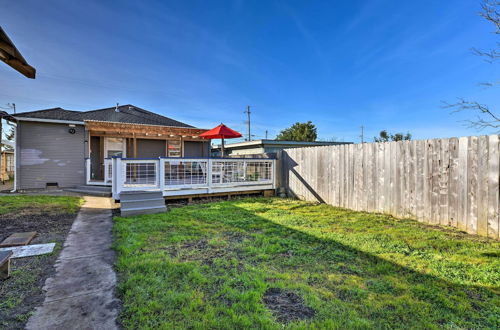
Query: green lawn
x=218 y=265
x=18 y=203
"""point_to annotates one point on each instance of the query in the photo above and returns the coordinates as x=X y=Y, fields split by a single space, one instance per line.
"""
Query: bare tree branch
x=485 y=117
x=491 y=120
x=491 y=12
x=490 y=56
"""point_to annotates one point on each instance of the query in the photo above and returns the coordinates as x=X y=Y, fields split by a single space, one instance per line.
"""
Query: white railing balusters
x=198 y=175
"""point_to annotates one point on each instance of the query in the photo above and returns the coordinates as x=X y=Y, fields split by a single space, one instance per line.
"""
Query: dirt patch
x=22 y=292
x=286 y=306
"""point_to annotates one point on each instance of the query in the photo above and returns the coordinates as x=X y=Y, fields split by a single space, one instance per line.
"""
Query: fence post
x=162 y=174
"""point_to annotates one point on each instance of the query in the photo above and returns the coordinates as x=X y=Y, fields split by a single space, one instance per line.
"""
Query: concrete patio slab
x=81 y=293
x=30 y=250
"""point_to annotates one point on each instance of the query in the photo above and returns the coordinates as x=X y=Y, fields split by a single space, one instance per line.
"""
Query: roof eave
x=55 y=121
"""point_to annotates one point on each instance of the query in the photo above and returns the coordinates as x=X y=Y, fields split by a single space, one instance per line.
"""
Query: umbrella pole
x=222 y=148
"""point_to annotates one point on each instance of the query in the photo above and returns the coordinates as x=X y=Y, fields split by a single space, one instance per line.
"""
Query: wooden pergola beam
x=147 y=131
x=13 y=58
x=142 y=136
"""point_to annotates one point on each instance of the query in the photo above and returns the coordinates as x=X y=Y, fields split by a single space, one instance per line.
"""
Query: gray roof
x=281 y=143
x=126 y=114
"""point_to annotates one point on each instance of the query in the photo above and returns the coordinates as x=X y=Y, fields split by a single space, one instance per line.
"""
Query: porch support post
x=135 y=146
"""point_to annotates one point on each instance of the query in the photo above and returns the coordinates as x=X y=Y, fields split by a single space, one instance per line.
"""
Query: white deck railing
x=108 y=172
x=184 y=176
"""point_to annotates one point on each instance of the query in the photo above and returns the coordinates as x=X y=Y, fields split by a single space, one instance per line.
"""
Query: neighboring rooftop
x=129 y=114
x=280 y=143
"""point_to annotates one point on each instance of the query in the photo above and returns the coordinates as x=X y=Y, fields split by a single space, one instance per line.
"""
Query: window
x=115 y=153
x=174 y=148
x=114 y=147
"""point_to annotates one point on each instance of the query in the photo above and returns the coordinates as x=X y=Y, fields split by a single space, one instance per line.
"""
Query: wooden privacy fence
x=451 y=182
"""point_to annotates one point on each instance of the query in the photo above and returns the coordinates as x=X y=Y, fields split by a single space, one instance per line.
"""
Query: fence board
x=419 y=177
x=493 y=186
x=472 y=185
x=443 y=181
x=462 y=193
x=453 y=183
x=482 y=191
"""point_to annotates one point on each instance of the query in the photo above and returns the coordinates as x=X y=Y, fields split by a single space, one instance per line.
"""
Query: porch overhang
x=141 y=131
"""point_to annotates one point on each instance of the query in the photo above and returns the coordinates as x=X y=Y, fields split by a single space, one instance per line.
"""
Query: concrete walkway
x=81 y=293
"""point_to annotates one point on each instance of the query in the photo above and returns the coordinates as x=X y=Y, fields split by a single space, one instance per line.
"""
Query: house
x=67 y=148
x=258 y=147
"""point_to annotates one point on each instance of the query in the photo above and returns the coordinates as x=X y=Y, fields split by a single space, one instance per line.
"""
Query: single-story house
x=258 y=147
x=58 y=147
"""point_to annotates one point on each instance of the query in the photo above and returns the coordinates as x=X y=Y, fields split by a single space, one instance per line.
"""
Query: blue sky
x=341 y=64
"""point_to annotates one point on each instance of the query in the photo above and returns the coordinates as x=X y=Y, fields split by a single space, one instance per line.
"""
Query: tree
x=386 y=137
x=299 y=132
x=485 y=116
x=9 y=136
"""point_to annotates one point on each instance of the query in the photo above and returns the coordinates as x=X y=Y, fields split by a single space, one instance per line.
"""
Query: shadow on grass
x=238 y=255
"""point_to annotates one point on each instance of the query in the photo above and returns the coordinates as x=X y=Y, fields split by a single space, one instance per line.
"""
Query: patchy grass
x=51 y=217
x=42 y=203
x=274 y=263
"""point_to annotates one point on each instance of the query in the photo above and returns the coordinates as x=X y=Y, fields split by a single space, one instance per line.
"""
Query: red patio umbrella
x=221 y=132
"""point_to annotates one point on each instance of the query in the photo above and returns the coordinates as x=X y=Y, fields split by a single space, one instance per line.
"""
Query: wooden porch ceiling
x=102 y=128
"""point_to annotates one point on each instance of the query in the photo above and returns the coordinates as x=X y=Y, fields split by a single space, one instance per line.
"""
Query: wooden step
x=137 y=203
x=140 y=211
x=141 y=202
x=139 y=195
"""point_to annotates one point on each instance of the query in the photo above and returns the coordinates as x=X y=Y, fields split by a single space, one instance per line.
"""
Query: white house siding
x=48 y=153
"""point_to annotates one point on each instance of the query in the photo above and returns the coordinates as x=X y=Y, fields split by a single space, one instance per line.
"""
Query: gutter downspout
x=14 y=127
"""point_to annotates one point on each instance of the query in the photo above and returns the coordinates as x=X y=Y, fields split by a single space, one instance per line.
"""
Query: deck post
x=87 y=170
x=113 y=177
x=161 y=164
x=118 y=176
x=209 y=174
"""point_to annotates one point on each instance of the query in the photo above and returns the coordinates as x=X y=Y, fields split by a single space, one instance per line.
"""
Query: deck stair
x=141 y=202
x=91 y=190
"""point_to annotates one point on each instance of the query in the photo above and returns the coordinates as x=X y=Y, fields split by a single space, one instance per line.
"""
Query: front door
x=101 y=148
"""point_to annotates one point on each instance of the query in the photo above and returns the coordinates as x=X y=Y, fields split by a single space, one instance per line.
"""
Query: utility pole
x=12 y=106
x=362 y=134
x=247 y=111
x=266 y=134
